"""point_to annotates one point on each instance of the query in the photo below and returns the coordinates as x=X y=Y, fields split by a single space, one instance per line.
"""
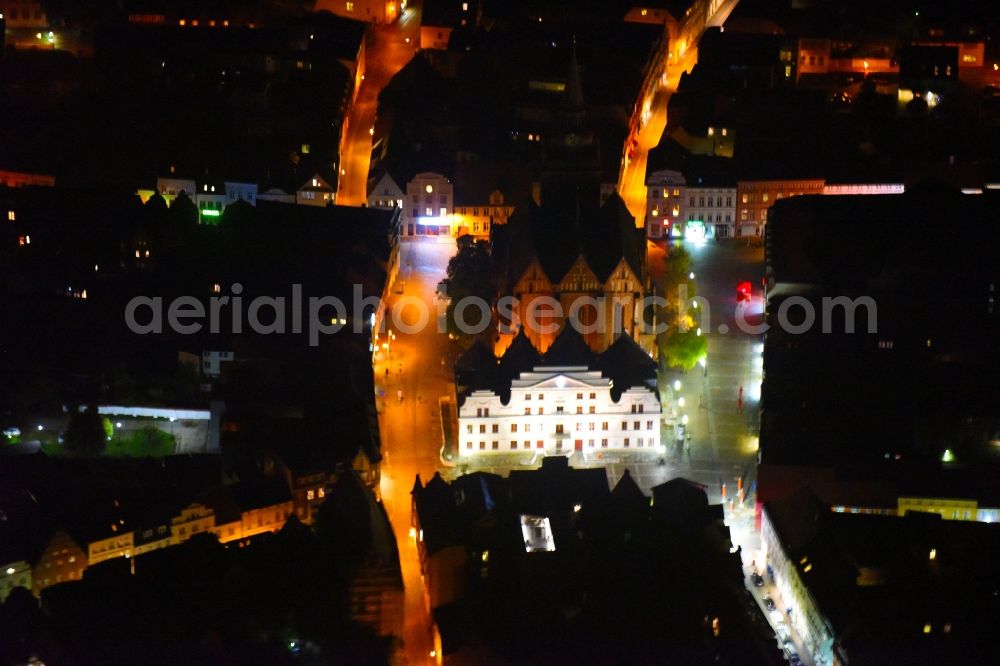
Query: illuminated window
x=643 y=11
x=429 y=212
x=182 y=23
x=11 y=215
x=711 y=131
x=724 y=131
x=465 y=6
x=444 y=211
x=310 y=495
x=349 y=6
x=24 y=240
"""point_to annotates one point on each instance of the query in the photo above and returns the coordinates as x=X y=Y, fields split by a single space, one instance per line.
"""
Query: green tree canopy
x=676 y=281
x=682 y=349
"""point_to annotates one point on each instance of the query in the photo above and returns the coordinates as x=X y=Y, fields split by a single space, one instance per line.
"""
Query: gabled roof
x=570 y=349
x=557 y=233
x=681 y=504
x=626 y=493
x=627 y=364
x=521 y=356
x=321 y=184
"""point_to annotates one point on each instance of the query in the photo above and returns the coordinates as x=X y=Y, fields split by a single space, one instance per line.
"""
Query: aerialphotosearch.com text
x=316 y=316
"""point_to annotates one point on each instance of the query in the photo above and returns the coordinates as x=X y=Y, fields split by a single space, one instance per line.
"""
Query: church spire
x=572 y=98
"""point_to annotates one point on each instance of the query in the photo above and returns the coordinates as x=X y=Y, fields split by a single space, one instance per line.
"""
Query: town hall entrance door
x=578 y=445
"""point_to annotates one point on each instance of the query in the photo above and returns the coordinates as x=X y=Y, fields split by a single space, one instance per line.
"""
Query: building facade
x=568 y=402
x=12 y=575
x=428 y=206
x=695 y=207
x=370 y=11
x=710 y=211
x=316 y=192
x=61 y=560
x=755 y=197
x=665 y=192
x=477 y=217
x=386 y=194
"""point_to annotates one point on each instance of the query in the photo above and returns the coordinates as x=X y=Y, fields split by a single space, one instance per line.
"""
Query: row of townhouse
x=211 y=198
x=697 y=207
x=231 y=513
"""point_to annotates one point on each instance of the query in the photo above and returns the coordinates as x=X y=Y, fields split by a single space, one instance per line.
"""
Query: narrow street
x=387 y=51
x=633 y=182
x=411 y=427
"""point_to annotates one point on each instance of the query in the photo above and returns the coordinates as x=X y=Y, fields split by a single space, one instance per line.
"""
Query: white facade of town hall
x=557 y=411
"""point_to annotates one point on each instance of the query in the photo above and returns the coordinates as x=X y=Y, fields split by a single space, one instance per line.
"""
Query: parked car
x=769 y=603
x=757 y=579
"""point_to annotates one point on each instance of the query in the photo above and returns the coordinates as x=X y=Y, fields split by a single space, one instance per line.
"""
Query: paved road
x=411 y=429
x=632 y=184
x=387 y=52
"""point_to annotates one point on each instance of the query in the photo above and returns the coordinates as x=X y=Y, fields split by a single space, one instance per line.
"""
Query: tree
x=682 y=348
x=85 y=434
x=469 y=276
x=680 y=345
x=676 y=282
